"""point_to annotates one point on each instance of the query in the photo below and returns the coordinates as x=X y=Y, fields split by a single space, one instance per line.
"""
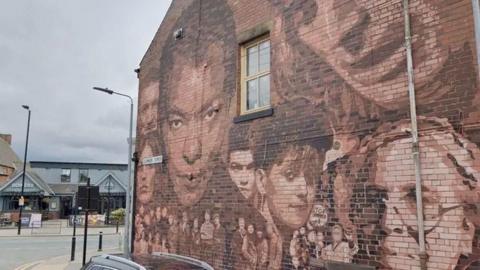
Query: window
x=83 y=175
x=66 y=173
x=255 y=79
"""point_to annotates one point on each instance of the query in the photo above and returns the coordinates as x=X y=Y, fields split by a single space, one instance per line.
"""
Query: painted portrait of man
x=197 y=75
x=241 y=166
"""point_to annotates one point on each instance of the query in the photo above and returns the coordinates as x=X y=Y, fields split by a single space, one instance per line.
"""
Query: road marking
x=28 y=265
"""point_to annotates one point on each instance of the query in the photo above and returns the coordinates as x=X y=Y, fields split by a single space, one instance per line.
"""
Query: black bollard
x=117 y=226
x=100 y=239
x=72 y=256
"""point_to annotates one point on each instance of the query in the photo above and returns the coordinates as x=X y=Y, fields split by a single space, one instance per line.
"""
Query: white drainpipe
x=415 y=144
x=476 y=21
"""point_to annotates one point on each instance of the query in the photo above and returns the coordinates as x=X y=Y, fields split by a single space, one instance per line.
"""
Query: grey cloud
x=52 y=53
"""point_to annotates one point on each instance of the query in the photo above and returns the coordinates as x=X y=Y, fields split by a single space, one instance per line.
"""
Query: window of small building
x=255 y=75
x=66 y=175
x=83 y=175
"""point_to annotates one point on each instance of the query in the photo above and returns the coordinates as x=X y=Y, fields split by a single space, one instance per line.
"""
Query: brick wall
x=329 y=177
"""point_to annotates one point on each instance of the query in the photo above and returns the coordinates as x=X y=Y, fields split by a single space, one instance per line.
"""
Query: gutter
x=415 y=143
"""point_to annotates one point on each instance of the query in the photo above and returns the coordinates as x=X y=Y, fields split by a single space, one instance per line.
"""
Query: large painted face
x=242 y=172
x=444 y=209
x=292 y=188
x=146 y=176
x=197 y=119
x=372 y=60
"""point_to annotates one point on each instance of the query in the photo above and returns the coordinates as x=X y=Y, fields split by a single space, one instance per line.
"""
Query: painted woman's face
x=146 y=176
x=292 y=187
x=444 y=209
x=367 y=48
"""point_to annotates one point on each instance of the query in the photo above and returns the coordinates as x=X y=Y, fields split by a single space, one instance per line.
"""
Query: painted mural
x=329 y=177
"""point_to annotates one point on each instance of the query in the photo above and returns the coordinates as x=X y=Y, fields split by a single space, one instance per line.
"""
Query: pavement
x=50 y=248
x=63 y=262
x=57 y=230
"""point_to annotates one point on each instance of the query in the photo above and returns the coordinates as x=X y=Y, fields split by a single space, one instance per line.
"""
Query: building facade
x=9 y=161
x=51 y=187
x=286 y=136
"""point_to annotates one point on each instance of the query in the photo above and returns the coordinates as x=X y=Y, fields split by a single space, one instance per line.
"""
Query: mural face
x=242 y=172
x=291 y=186
x=194 y=127
x=366 y=48
x=446 y=201
x=145 y=177
x=329 y=177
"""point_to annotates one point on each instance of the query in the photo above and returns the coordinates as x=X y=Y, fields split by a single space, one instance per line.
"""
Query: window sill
x=254 y=115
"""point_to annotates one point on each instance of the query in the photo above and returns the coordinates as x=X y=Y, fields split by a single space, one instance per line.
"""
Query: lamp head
x=26 y=107
x=105 y=90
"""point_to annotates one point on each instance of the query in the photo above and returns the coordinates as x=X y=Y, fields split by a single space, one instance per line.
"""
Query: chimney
x=7 y=138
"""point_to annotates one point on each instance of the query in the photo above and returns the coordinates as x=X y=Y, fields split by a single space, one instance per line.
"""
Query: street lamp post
x=128 y=208
x=21 y=200
x=108 y=200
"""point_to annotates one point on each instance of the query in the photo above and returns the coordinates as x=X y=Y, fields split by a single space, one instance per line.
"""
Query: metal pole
x=128 y=201
x=23 y=175
x=108 y=201
x=100 y=240
x=134 y=198
x=476 y=21
x=415 y=142
x=128 y=216
x=74 y=238
x=85 y=231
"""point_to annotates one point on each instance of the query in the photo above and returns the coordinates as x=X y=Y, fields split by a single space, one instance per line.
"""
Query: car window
x=174 y=265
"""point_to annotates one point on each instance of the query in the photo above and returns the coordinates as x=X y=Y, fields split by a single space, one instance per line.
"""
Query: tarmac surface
x=39 y=250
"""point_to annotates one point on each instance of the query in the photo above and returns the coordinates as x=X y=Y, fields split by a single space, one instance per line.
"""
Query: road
x=16 y=251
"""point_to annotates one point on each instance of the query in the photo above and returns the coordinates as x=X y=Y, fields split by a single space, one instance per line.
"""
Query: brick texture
x=329 y=177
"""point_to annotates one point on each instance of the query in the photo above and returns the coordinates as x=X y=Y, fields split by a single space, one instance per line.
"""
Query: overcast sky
x=51 y=54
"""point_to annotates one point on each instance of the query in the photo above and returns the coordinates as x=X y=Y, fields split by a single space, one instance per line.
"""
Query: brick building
x=9 y=160
x=287 y=136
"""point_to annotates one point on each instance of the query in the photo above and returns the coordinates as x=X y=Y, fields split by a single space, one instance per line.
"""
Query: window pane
x=264 y=91
x=252 y=60
x=264 y=64
x=252 y=94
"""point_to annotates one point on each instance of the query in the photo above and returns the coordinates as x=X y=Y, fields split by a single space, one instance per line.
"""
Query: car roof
x=174 y=261
x=115 y=262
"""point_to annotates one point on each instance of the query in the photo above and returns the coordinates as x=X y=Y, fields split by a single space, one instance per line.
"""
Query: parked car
x=158 y=261
x=111 y=262
x=167 y=261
